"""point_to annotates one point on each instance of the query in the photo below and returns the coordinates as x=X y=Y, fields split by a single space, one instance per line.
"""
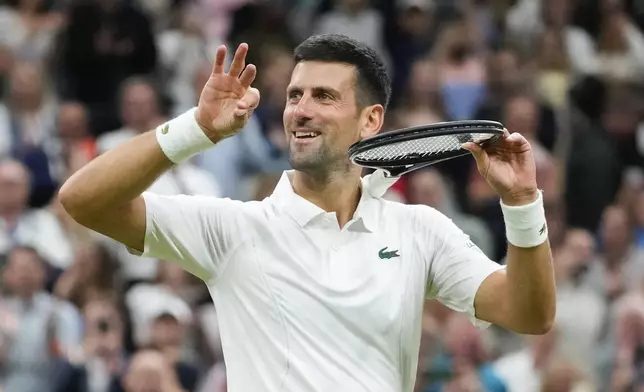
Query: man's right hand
x=227 y=101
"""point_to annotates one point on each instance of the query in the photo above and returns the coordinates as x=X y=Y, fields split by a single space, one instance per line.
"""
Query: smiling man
x=320 y=287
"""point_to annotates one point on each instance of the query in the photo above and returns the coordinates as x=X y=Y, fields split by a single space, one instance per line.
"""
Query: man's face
x=321 y=117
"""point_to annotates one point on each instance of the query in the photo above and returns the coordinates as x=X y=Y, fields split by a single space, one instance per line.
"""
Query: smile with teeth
x=304 y=135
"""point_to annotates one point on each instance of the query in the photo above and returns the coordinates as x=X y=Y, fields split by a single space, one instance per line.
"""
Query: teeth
x=306 y=134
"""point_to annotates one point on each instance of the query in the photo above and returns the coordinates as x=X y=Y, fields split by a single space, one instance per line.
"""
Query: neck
x=338 y=192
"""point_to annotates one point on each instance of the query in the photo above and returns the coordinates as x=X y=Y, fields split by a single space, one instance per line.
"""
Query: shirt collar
x=303 y=211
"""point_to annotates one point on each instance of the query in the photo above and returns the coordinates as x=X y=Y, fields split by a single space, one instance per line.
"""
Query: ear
x=372 y=119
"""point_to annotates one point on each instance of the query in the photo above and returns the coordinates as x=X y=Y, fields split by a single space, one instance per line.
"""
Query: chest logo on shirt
x=384 y=254
x=165 y=129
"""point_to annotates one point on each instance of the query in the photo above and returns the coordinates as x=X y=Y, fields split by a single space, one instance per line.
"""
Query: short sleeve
x=195 y=232
x=457 y=267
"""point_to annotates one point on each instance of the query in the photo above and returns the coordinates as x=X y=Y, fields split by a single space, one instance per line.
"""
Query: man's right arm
x=105 y=195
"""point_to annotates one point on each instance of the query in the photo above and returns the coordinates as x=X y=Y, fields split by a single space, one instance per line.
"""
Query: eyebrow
x=316 y=89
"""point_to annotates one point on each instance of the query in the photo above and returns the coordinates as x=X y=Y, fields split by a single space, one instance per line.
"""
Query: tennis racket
x=405 y=150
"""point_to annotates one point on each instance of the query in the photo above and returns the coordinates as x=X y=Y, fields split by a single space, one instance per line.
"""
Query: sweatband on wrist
x=182 y=137
x=525 y=226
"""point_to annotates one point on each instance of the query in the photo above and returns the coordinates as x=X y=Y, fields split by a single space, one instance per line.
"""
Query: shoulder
x=205 y=205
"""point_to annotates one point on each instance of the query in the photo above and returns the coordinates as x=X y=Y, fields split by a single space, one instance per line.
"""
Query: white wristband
x=182 y=137
x=525 y=226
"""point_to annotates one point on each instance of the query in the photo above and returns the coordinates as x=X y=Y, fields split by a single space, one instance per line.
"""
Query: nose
x=302 y=112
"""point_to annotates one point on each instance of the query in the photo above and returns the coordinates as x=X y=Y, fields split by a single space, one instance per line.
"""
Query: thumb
x=480 y=155
x=248 y=102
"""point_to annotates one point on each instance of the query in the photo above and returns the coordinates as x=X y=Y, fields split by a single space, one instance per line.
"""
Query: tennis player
x=320 y=287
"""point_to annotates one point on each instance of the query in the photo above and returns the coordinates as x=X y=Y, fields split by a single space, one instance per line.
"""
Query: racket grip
x=181 y=138
x=525 y=226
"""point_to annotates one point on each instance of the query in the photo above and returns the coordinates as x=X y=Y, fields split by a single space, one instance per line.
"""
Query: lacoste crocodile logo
x=384 y=254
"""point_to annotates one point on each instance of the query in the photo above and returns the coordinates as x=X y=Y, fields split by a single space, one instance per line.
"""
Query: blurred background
x=77 y=77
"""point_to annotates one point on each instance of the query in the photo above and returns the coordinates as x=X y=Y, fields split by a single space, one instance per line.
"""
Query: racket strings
x=422 y=147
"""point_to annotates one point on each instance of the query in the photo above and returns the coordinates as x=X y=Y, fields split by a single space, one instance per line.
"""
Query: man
x=321 y=286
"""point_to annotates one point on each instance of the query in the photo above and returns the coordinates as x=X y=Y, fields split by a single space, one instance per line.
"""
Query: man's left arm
x=521 y=297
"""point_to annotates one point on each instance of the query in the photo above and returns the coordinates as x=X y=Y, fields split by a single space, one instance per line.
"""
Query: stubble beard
x=321 y=163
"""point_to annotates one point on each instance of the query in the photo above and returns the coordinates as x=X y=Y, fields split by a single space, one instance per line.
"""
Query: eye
x=325 y=96
x=294 y=96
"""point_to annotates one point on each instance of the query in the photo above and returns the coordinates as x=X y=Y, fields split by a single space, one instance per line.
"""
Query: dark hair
x=372 y=81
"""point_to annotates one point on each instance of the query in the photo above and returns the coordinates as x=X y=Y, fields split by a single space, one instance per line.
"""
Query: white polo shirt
x=306 y=306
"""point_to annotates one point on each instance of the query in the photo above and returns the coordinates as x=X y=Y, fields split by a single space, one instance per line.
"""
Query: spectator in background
x=75 y=143
x=459 y=57
x=356 y=19
x=29 y=28
x=21 y=225
x=49 y=328
x=160 y=319
x=554 y=69
x=139 y=110
x=620 y=264
x=620 y=45
x=110 y=38
x=412 y=31
x=273 y=82
x=465 y=364
x=94 y=274
x=554 y=18
x=27 y=123
x=593 y=166
x=505 y=78
x=183 y=49
x=422 y=101
x=150 y=371
x=76 y=147
x=521 y=371
x=99 y=364
x=581 y=319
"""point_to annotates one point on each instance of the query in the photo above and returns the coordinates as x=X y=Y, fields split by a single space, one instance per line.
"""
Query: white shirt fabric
x=306 y=306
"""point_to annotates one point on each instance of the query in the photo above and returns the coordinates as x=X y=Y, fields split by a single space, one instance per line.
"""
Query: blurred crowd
x=78 y=313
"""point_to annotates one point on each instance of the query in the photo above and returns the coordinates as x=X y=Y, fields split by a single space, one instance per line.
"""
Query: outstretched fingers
x=239 y=61
x=220 y=59
x=248 y=76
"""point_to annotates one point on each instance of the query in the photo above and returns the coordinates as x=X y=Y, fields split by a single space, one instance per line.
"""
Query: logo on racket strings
x=384 y=254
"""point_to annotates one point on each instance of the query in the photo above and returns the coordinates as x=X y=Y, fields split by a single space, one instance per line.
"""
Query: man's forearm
x=531 y=288
x=114 y=178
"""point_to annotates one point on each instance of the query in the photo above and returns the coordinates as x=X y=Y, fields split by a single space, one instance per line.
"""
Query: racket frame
x=399 y=167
